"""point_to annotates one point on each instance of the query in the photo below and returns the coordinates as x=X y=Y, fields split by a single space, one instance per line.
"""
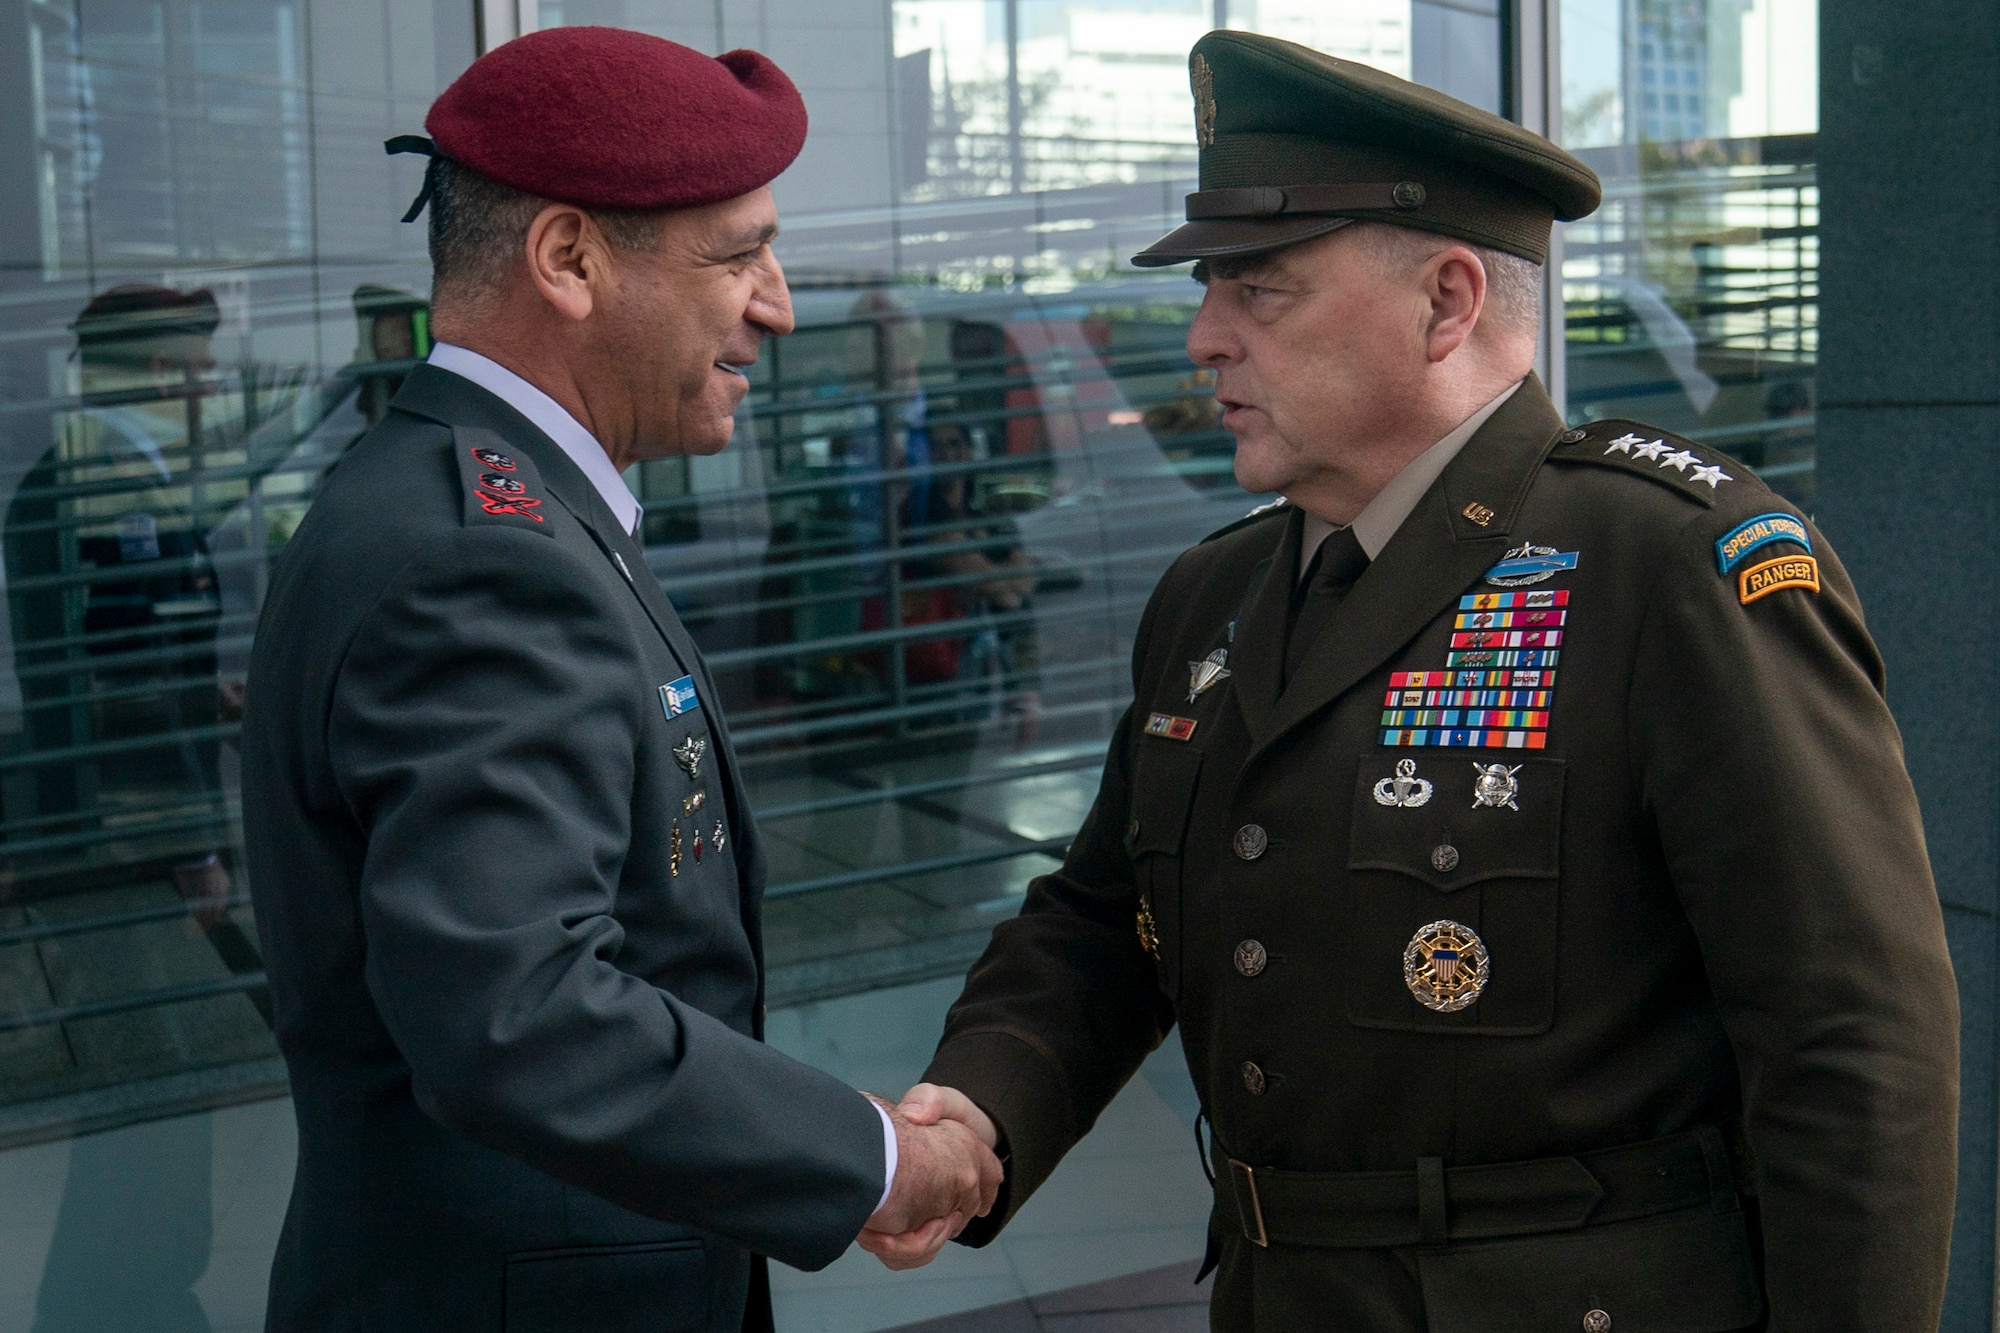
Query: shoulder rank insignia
x=1276 y=506
x=1734 y=547
x=1632 y=446
x=498 y=485
x=1787 y=571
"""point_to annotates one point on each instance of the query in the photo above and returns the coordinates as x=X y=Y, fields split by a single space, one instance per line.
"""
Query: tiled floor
x=170 y=1225
x=1160 y=1300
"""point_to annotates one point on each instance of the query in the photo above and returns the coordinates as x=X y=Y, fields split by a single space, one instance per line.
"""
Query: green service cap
x=1295 y=144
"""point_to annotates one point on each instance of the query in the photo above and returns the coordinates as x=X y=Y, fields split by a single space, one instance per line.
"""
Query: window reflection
x=1693 y=293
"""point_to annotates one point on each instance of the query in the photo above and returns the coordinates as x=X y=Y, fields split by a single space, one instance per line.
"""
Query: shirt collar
x=551 y=418
x=1377 y=523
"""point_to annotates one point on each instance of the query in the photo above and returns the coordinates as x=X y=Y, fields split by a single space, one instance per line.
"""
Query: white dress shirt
x=1377 y=523
x=554 y=421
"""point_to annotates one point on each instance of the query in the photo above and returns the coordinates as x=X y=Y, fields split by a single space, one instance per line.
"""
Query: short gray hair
x=1513 y=284
x=478 y=227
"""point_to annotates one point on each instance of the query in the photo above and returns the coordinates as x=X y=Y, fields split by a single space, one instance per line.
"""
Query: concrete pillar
x=1909 y=435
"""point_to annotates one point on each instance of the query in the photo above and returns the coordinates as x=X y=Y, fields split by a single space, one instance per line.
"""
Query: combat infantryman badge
x=688 y=754
x=1528 y=563
x=1446 y=967
x=1207 y=673
x=1497 y=786
x=1406 y=790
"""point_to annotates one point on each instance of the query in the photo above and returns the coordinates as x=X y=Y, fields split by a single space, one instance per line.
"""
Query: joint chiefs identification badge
x=1446 y=967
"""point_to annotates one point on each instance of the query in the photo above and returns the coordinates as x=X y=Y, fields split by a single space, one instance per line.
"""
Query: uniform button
x=1578 y=437
x=1251 y=840
x=1253 y=1079
x=1132 y=831
x=1597 y=1322
x=1250 y=958
x=1444 y=858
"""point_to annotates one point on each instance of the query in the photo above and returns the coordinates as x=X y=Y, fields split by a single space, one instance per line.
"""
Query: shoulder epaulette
x=1695 y=470
x=500 y=486
x=1277 y=506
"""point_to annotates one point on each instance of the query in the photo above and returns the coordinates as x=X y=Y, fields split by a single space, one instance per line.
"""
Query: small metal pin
x=621 y=566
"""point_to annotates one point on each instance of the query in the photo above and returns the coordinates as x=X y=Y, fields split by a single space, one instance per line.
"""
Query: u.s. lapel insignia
x=1202 y=78
x=1528 y=563
x=688 y=754
x=1406 y=790
x=1207 y=673
x=1446 y=967
x=1496 y=787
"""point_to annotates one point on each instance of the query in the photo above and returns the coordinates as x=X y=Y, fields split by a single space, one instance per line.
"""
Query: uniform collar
x=551 y=418
x=1378 y=522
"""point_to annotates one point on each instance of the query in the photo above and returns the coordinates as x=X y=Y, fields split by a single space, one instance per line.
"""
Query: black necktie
x=1335 y=566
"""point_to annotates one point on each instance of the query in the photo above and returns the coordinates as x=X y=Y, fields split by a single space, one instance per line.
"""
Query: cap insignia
x=1204 y=101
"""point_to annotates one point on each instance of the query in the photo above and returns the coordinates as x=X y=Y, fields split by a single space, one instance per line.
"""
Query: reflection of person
x=117 y=485
x=505 y=871
x=1525 y=982
x=976 y=567
x=394 y=328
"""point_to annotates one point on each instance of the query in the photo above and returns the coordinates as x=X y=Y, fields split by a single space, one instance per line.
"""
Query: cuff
x=889 y=1155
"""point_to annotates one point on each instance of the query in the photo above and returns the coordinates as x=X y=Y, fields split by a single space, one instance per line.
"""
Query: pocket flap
x=1451 y=820
x=1163 y=778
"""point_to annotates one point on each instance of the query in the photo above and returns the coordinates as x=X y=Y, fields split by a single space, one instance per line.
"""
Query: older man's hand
x=927 y=1109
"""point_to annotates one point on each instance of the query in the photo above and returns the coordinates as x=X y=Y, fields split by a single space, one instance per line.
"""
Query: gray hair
x=1513 y=284
x=478 y=228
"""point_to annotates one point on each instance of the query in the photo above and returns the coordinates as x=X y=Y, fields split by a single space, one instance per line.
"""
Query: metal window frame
x=1531 y=75
x=497 y=21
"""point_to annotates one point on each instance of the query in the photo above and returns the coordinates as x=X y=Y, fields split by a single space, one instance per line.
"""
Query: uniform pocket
x=1163 y=782
x=1686 y=1272
x=1475 y=843
x=661 y=1287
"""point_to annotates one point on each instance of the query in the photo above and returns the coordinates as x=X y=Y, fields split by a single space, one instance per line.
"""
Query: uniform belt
x=1435 y=1203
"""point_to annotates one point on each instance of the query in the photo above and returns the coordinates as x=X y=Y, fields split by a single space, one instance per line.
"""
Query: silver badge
x=1406 y=790
x=688 y=754
x=1446 y=967
x=718 y=838
x=1207 y=673
x=1497 y=786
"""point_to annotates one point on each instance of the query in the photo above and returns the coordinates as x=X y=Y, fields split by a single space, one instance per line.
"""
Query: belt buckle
x=1244 y=1177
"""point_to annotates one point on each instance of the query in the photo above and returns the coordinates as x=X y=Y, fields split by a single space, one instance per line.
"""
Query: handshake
x=946 y=1175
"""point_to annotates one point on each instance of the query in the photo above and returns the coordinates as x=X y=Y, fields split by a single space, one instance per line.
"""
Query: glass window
x=1692 y=295
x=917 y=573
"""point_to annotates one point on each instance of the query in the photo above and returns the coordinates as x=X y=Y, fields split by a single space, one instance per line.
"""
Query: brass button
x=1597 y=1322
x=1251 y=840
x=1444 y=858
x=1250 y=958
x=1253 y=1079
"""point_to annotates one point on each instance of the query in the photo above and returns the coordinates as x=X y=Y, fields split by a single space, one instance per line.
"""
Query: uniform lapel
x=1257 y=655
x=1437 y=553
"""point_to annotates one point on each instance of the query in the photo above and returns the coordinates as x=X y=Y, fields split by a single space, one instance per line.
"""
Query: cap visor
x=1216 y=238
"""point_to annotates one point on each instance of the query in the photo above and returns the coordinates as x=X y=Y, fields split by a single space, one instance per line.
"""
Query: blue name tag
x=678 y=697
x=1757 y=533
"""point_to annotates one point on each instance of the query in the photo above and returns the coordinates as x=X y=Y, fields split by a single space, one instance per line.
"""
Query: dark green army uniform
x=1555 y=948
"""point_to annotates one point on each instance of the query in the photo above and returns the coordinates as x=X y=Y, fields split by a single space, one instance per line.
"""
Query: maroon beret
x=609 y=118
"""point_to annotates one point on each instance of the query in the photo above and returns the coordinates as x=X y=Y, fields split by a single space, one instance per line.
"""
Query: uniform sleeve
x=1774 y=773
x=1063 y=1006
x=483 y=733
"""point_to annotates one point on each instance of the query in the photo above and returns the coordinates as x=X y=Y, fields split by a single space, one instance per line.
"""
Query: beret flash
x=609 y=118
